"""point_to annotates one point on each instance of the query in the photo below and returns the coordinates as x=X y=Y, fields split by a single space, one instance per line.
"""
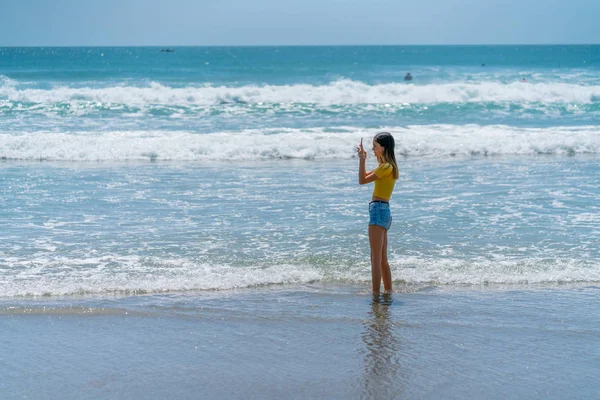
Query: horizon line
x=312 y=45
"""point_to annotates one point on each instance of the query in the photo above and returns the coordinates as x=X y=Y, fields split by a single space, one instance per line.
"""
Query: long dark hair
x=386 y=140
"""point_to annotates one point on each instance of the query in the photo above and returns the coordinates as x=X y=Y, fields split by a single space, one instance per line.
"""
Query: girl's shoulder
x=383 y=169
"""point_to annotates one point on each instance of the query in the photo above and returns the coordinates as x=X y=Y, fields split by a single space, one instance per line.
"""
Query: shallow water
x=311 y=341
x=169 y=227
x=188 y=224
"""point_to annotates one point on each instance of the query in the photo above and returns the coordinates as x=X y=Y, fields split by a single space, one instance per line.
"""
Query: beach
x=310 y=341
x=181 y=225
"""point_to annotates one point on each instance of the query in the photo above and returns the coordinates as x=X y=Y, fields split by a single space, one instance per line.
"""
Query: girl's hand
x=362 y=154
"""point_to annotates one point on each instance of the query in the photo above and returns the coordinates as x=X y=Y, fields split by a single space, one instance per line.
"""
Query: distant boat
x=167 y=51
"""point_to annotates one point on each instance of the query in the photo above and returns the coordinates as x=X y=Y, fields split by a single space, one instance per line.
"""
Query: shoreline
x=309 y=343
x=325 y=288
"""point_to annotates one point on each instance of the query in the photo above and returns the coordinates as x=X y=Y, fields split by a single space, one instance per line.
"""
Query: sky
x=299 y=22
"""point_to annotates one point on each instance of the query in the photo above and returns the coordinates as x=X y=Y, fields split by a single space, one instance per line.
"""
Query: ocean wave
x=339 y=92
x=6 y=82
x=310 y=144
x=133 y=275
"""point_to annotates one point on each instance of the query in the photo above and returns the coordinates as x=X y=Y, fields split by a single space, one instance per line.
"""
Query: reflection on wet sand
x=382 y=370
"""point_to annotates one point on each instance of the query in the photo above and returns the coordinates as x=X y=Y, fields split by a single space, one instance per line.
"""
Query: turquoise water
x=72 y=228
x=133 y=180
x=162 y=171
x=223 y=89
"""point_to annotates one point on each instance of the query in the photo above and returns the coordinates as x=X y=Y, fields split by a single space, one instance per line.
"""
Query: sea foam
x=338 y=92
x=63 y=276
x=317 y=143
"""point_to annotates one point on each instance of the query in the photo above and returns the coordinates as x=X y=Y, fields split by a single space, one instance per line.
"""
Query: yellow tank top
x=384 y=185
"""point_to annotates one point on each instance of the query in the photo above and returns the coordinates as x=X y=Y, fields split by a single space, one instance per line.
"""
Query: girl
x=380 y=218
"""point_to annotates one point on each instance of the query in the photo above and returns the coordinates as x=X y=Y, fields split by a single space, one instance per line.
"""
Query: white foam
x=6 y=82
x=132 y=274
x=317 y=143
x=339 y=92
x=448 y=271
x=126 y=275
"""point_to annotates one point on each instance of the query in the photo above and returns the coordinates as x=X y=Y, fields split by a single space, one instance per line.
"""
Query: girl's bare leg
x=376 y=238
x=385 y=266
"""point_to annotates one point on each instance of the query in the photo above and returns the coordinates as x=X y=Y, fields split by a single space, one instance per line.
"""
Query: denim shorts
x=380 y=214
